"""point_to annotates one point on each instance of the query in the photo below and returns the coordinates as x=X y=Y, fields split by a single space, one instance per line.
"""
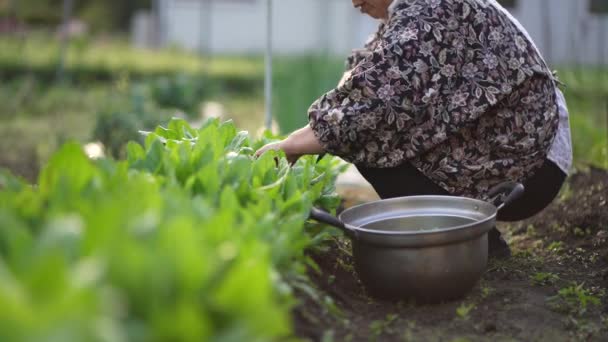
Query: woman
x=449 y=97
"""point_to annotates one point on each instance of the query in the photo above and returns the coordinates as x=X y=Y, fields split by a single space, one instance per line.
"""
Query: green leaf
x=154 y=157
x=68 y=171
x=239 y=141
x=135 y=152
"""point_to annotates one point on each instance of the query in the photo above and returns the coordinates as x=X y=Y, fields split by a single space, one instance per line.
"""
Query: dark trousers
x=406 y=180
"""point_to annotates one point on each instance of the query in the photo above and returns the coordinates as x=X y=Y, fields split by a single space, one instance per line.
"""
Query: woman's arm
x=297 y=144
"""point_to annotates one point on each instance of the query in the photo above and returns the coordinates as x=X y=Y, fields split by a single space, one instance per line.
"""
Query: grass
x=574 y=299
x=39 y=52
x=544 y=278
x=380 y=327
x=35 y=120
x=585 y=81
x=464 y=311
x=556 y=247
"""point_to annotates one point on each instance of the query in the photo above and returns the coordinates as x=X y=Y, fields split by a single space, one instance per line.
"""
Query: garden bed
x=552 y=289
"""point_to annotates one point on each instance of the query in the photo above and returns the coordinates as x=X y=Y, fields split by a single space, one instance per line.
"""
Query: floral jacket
x=451 y=86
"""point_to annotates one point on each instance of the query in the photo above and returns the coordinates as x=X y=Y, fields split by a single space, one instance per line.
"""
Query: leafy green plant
x=379 y=327
x=408 y=333
x=179 y=92
x=464 y=310
x=328 y=336
x=115 y=130
x=190 y=239
x=486 y=291
x=580 y=232
x=574 y=299
x=556 y=247
x=461 y=339
x=531 y=230
x=544 y=278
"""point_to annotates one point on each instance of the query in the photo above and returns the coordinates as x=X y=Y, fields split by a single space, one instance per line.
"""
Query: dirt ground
x=554 y=287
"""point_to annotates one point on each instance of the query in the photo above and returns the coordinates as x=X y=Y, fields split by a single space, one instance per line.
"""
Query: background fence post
x=268 y=73
x=65 y=38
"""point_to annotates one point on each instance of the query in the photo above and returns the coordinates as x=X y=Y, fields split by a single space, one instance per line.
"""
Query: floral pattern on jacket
x=451 y=86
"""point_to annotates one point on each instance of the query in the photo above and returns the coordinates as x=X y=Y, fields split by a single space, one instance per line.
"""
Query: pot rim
x=356 y=230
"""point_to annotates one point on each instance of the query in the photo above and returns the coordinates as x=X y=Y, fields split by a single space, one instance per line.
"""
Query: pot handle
x=327 y=218
x=514 y=191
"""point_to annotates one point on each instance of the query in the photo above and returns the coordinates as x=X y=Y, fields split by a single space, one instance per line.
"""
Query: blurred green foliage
x=100 y=15
x=105 y=60
x=115 y=129
x=117 y=125
x=102 y=76
x=190 y=239
x=181 y=91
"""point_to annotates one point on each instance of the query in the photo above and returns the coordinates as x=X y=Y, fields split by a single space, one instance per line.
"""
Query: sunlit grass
x=587 y=81
x=40 y=51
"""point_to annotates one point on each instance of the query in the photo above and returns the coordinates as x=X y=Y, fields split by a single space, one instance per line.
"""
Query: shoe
x=498 y=248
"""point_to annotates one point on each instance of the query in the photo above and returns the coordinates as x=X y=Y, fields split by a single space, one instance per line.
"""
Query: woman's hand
x=279 y=146
x=296 y=145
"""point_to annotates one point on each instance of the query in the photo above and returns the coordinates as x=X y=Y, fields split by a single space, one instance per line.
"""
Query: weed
x=581 y=329
x=379 y=327
x=574 y=299
x=486 y=291
x=594 y=257
x=544 y=278
x=331 y=307
x=531 y=230
x=328 y=336
x=558 y=227
x=580 y=232
x=464 y=310
x=500 y=266
x=601 y=238
x=408 y=334
x=461 y=339
x=556 y=247
x=565 y=193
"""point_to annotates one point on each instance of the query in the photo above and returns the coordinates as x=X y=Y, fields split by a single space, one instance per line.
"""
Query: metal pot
x=431 y=248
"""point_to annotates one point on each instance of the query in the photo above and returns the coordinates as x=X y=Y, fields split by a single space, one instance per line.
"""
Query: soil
x=563 y=248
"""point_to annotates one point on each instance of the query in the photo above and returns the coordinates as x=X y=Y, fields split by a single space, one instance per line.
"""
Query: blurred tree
x=108 y=15
x=6 y=7
x=68 y=6
x=39 y=12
